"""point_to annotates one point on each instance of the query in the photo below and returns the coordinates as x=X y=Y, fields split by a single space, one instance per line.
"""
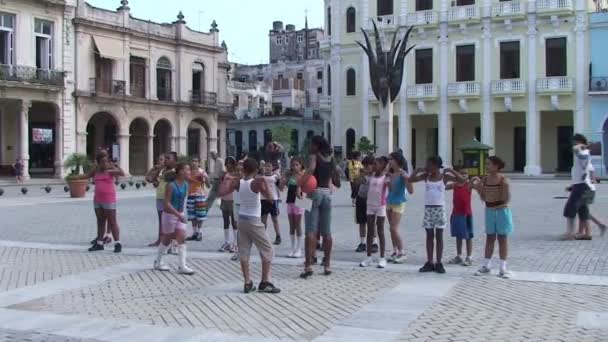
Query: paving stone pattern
x=491 y=309
x=7 y=335
x=213 y=299
x=21 y=267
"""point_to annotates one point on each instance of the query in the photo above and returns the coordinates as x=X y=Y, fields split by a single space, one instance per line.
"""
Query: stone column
x=150 y=162
x=24 y=141
x=123 y=143
x=444 y=119
x=487 y=115
x=59 y=145
x=404 y=118
x=81 y=142
x=365 y=87
x=582 y=81
x=532 y=116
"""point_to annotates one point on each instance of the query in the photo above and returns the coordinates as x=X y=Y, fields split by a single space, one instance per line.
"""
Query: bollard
x=24 y=190
x=48 y=189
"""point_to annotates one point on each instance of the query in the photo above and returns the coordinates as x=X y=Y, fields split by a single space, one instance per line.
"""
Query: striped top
x=494 y=194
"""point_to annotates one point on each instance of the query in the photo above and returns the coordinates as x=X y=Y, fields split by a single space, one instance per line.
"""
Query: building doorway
x=564 y=148
x=519 y=149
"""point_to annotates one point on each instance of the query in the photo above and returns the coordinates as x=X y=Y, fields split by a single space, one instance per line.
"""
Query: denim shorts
x=499 y=221
x=105 y=206
x=318 y=218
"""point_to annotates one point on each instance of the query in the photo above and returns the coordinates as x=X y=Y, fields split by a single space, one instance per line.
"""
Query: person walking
x=216 y=172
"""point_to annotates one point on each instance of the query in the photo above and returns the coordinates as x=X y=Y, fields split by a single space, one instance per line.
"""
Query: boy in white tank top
x=251 y=229
x=435 y=219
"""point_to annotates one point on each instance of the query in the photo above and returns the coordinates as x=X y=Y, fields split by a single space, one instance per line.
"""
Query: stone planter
x=78 y=188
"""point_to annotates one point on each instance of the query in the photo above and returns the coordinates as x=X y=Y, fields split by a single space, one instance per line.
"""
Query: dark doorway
x=519 y=149
x=424 y=66
x=350 y=141
x=465 y=63
x=194 y=142
x=238 y=141
x=564 y=148
x=413 y=149
x=556 y=60
x=253 y=141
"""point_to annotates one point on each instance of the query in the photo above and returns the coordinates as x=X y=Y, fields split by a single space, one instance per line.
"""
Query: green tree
x=365 y=146
x=282 y=134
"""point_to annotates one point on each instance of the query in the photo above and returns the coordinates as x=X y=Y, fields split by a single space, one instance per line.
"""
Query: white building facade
x=513 y=74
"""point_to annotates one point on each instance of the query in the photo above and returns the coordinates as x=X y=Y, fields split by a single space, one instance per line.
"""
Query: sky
x=243 y=24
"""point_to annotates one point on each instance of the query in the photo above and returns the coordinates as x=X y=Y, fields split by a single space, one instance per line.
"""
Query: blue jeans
x=318 y=218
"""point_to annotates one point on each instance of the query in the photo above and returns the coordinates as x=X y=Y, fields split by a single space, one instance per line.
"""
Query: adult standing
x=156 y=176
x=322 y=166
x=216 y=172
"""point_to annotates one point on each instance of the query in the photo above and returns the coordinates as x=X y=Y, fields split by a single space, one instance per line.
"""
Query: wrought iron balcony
x=460 y=14
x=385 y=21
x=464 y=89
x=508 y=9
x=422 y=18
x=31 y=75
x=552 y=7
x=107 y=87
x=203 y=97
x=598 y=84
x=416 y=92
x=508 y=87
x=551 y=85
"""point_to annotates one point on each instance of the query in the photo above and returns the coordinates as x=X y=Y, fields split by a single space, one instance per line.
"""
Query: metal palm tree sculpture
x=386 y=68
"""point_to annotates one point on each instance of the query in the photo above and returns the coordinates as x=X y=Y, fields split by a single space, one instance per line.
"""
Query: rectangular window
x=465 y=2
x=7 y=48
x=424 y=66
x=300 y=76
x=319 y=75
x=300 y=37
x=556 y=57
x=235 y=101
x=509 y=60
x=319 y=90
x=137 y=77
x=465 y=63
x=424 y=5
x=44 y=44
x=279 y=40
x=385 y=7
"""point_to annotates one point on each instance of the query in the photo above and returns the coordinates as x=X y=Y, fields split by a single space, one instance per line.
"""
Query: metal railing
x=508 y=87
x=554 y=5
x=203 y=97
x=386 y=21
x=164 y=93
x=552 y=84
x=462 y=13
x=427 y=17
x=25 y=74
x=421 y=91
x=507 y=8
x=598 y=83
x=464 y=89
x=107 y=87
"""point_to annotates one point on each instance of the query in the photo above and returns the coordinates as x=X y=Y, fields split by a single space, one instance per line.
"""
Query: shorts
x=396 y=208
x=578 y=202
x=227 y=206
x=253 y=232
x=361 y=210
x=197 y=208
x=376 y=211
x=318 y=218
x=434 y=218
x=160 y=204
x=270 y=207
x=461 y=226
x=170 y=224
x=499 y=221
x=293 y=209
x=104 y=206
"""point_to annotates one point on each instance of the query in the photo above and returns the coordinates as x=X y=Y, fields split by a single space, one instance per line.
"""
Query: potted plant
x=79 y=164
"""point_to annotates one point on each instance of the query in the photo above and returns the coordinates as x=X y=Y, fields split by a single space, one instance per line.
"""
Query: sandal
x=306 y=274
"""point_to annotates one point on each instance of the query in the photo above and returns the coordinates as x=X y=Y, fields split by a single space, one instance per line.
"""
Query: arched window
x=329 y=21
x=198 y=82
x=329 y=80
x=351 y=84
x=253 y=141
x=351 y=19
x=163 y=79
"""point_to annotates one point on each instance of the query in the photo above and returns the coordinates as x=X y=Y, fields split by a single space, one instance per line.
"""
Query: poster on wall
x=42 y=136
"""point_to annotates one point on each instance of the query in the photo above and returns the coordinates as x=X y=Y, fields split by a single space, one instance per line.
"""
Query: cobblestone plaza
x=51 y=289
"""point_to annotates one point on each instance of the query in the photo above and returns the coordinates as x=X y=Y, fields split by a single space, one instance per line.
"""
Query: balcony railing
x=552 y=6
x=203 y=97
x=164 y=93
x=32 y=75
x=107 y=87
x=421 y=91
x=421 y=18
x=508 y=87
x=386 y=21
x=464 y=89
x=508 y=9
x=138 y=90
x=555 y=84
x=463 y=13
x=598 y=84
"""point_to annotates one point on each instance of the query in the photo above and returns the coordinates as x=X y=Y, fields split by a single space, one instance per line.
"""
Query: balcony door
x=556 y=59
x=385 y=7
x=7 y=22
x=43 y=32
x=465 y=63
x=198 y=81
x=103 y=74
x=509 y=60
x=137 y=77
x=424 y=66
x=424 y=5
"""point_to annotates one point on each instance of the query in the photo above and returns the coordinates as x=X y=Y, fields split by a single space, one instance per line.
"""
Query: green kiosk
x=474 y=155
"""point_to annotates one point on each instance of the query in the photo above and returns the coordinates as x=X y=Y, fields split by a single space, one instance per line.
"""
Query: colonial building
x=287 y=44
x=513 y=74
x=144 y=88
x=36 y=83
x=598 y=87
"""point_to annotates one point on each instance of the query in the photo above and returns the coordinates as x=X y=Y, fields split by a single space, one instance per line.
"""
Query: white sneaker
x=366 y=262
x=291 y=254
x=505 y=274
x=235 y=256
x=185 y=270
x=160 y=266
x=468 y=261
x=382 y=263
x=483 y=270
x=297 y=254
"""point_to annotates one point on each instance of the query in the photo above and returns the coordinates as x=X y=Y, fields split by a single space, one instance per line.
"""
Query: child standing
x=270 y=205
x=173 y=219
x=197 y=201
x=461 y=221
x=361 y=204
x=435 y=219
x=398 y=182
x=294 y=213
x=376 y=211
x=495 y=191
x=227 y=207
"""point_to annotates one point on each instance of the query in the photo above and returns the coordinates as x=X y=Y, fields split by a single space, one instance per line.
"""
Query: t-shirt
x=292 y=190
x=376 y=195
x=581 y=167
x=363 y=187
x=271 y=182
x=462 y=200
x=354 y=167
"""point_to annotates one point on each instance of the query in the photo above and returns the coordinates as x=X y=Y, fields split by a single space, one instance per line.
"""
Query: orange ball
x=308 y=184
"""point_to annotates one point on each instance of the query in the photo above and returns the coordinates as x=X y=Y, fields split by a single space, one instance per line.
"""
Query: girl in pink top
x=376 y=211
x=104 y=173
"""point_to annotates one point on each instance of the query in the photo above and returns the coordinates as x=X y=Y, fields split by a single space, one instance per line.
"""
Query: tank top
x=435 y=193
x=178 y=197
x=462 y=200
x=292 y=190
x=493 y=194
x=196 y=187
x=396 y=193
x=376 y=195
x=250 y=204
x=105 y=189
x=323 y=172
